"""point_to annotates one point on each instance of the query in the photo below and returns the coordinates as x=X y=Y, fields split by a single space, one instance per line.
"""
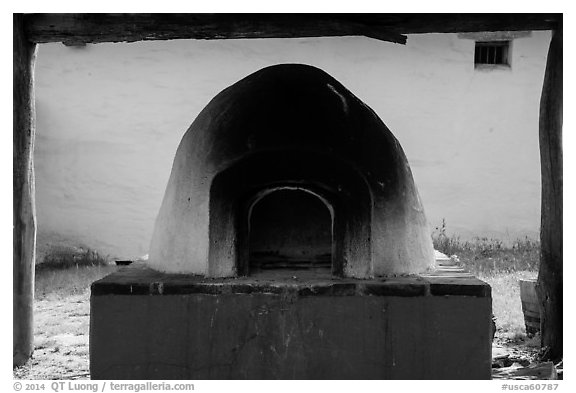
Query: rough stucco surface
x=110 y=117
x=284 y=110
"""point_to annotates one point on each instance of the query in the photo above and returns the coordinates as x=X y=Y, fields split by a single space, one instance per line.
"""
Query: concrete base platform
x=149 y=325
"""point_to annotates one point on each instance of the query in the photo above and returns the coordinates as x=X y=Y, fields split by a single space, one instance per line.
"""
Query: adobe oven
x=291 y=243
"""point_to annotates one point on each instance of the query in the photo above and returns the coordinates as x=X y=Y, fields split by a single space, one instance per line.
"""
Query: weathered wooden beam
x=73 y=29
x=459 y=23
x=550 y=276
x=76 y=29
x=24 y=224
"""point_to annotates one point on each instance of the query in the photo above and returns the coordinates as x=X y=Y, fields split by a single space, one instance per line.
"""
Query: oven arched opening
x=290 y=233
x=337 y=185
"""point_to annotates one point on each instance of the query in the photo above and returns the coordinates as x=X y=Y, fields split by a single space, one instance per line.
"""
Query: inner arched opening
x=290 y=232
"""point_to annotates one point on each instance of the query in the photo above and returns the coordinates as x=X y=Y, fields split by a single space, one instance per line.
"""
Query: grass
x=67 y=270
x=65 y=257
x=500 y=266
x=62 y=313
x=61 y=283
x=506 y=304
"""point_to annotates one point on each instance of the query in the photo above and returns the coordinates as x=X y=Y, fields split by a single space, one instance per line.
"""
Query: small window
x=491 y=53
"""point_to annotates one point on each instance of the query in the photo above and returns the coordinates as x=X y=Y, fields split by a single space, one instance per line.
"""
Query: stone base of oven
x=149 y=325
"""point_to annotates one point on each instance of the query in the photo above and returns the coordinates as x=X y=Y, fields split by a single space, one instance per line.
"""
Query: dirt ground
x=60 y=339
x=61 y=343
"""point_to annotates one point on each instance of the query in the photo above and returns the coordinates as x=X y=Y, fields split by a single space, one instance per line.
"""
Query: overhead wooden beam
x=550 y=274
x=73 y=29
x=459 y=23
x=24 y=220
x=76 y=29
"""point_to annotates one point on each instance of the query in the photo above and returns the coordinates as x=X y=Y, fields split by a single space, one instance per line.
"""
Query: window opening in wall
x=492 y=53
x=290 y=233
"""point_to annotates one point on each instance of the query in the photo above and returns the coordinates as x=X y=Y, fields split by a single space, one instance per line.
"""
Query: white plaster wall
x=110 y=117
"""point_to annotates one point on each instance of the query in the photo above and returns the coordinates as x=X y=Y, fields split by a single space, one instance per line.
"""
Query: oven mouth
x=291 y=233
x=338 y=190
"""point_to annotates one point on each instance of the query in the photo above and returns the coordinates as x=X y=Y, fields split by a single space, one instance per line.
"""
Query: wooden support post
x=549 y=285
x=24 y=224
